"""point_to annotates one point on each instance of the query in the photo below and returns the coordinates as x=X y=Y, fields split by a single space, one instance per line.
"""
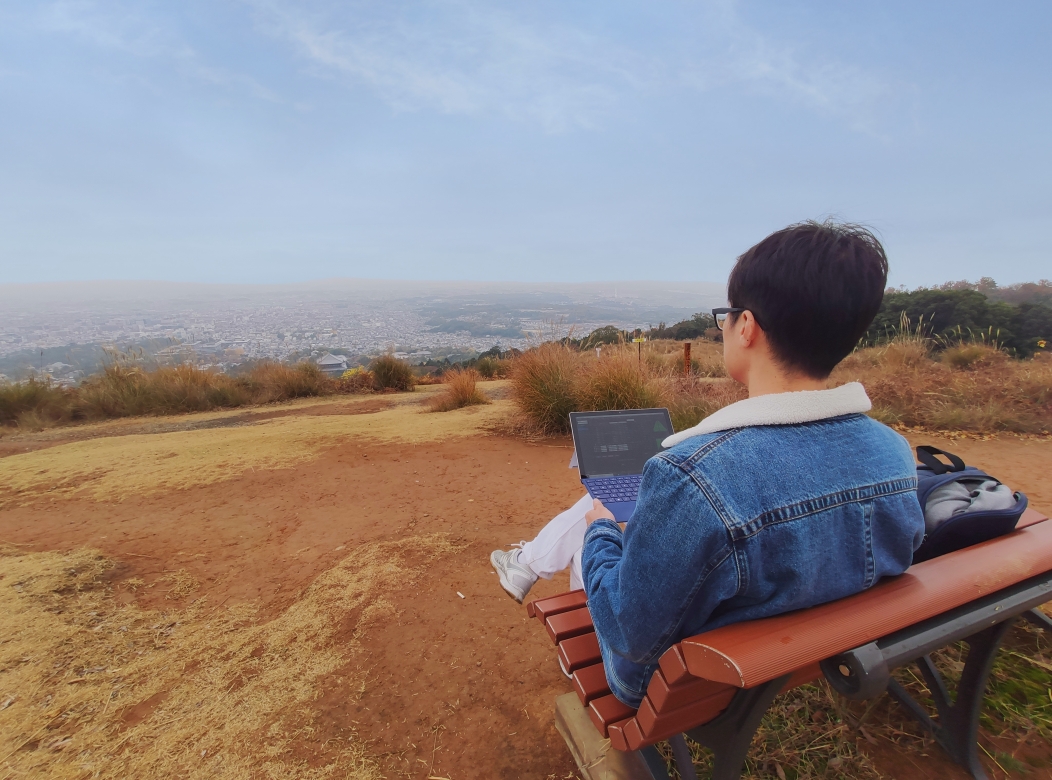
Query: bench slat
x=579 y=651
x=553 y=605
x=669 y=697
x=748 y=654
x=606 y=710
x=802 y=677
x=674 y=666
x=655 y=726
x=568 y=624
x=590 y=683
x=626 y=733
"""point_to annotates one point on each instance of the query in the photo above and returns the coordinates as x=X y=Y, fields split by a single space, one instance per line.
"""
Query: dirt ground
x=457 y=683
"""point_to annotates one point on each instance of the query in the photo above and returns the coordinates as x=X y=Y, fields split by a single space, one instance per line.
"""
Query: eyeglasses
x=721 y=314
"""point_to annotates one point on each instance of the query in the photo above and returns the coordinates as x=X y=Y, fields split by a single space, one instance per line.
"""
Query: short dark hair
x=814 y=289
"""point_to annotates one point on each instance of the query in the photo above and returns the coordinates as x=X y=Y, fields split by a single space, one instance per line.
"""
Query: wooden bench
x=716 y=687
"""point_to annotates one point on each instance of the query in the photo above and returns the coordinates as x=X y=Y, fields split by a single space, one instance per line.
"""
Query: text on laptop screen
x=619 y=443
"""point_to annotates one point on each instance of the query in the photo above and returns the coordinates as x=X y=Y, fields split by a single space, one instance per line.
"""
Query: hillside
x=274 y=592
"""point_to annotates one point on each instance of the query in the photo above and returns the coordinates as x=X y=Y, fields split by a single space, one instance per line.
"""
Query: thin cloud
x=462 y=59
x=465 y=58
x=127 y=31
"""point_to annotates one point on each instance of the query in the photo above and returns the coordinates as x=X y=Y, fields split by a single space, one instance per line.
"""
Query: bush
x=692 y=400
x=390 y=373
x=543 y=385
x=618 y=382
x=492 y=368
x=973 y=388
x=124 y=389
x=357 y=380
x=461 y=391
x=36 y=403
x=967 y=356
x=277 y=381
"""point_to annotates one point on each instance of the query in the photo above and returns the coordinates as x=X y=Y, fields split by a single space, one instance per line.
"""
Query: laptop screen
x=618 y=443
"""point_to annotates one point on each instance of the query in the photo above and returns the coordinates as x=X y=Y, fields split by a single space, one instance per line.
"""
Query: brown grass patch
x=99 y=688
x=126 y=389
x=972 y=387
x=114 y=467
x=461 y=389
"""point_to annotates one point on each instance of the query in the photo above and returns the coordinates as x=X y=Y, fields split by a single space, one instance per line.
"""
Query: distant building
x=333 y=365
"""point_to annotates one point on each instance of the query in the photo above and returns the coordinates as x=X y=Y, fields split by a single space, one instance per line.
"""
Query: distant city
x=67 y=331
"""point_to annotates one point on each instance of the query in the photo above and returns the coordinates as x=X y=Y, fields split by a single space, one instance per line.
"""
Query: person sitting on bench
x=788 y=499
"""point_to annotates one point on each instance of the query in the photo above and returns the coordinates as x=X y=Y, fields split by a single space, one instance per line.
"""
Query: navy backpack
x=966 y=528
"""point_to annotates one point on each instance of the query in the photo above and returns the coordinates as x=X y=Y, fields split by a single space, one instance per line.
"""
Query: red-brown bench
x=716 y=687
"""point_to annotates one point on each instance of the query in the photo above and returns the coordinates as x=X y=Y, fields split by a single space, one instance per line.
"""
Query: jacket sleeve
x=672 y=565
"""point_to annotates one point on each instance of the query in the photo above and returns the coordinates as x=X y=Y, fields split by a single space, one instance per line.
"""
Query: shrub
x=543 y=383
x=124 y=390
x=692 y=400
x=967 y=356
x=390 y=373
x=461 y=391
x=428 y=378
x=278 y=381
x=357 y=380
x=492 y=368
x=986 y=394
x=36 y=403
x=618 y=382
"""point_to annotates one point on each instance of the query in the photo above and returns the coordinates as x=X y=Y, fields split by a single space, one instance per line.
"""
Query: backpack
x=965 y=528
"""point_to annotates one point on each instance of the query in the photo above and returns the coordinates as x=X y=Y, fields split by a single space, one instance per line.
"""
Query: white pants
x=559 y=545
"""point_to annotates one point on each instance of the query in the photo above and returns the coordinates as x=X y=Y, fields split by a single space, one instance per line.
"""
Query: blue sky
x=273 y=141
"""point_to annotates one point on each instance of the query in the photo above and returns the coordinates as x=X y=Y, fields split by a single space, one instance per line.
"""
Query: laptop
x=611 y=448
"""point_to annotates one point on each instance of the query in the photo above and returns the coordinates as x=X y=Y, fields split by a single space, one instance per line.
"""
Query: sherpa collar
x=801 y=406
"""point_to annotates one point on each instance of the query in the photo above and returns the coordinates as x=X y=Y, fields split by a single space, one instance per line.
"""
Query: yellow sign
x=639 y=340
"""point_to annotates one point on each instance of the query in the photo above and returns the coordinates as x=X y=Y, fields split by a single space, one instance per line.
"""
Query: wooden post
x=686 y=358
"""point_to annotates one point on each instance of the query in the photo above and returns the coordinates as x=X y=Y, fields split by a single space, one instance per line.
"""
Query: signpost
x=639 y=340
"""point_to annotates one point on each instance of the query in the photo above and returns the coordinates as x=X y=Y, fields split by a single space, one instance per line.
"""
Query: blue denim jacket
x=747 y=523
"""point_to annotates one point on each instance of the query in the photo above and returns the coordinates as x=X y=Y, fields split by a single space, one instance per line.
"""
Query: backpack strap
x=926 y=455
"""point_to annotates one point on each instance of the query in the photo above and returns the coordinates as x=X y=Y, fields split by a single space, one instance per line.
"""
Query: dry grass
x=970 y=387
x=93 y=688
x=461 y=389
x=617 y=382
x=126 y=389
x=390 y=373
x=543 y=382
x=114 y=467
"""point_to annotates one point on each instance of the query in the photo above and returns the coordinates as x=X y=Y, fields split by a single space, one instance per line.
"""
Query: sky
x=273 y=141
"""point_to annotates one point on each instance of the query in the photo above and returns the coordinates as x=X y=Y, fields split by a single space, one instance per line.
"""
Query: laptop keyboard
x=612 y=489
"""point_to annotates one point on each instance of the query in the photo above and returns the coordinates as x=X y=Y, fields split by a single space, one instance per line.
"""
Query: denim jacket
x=772 y=504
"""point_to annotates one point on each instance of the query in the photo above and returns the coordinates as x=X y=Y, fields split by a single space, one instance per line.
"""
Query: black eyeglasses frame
x=724 y=310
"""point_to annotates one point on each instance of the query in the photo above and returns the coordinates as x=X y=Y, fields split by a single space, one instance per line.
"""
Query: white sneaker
x=515 y=578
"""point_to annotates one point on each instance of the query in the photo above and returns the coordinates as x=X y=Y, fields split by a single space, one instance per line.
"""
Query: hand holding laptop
x=597 y=512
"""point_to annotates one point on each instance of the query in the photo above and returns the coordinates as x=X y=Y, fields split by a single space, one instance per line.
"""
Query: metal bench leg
x=655 y=764
x=730 y=735
x=1038 y=618
x=958 y=724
